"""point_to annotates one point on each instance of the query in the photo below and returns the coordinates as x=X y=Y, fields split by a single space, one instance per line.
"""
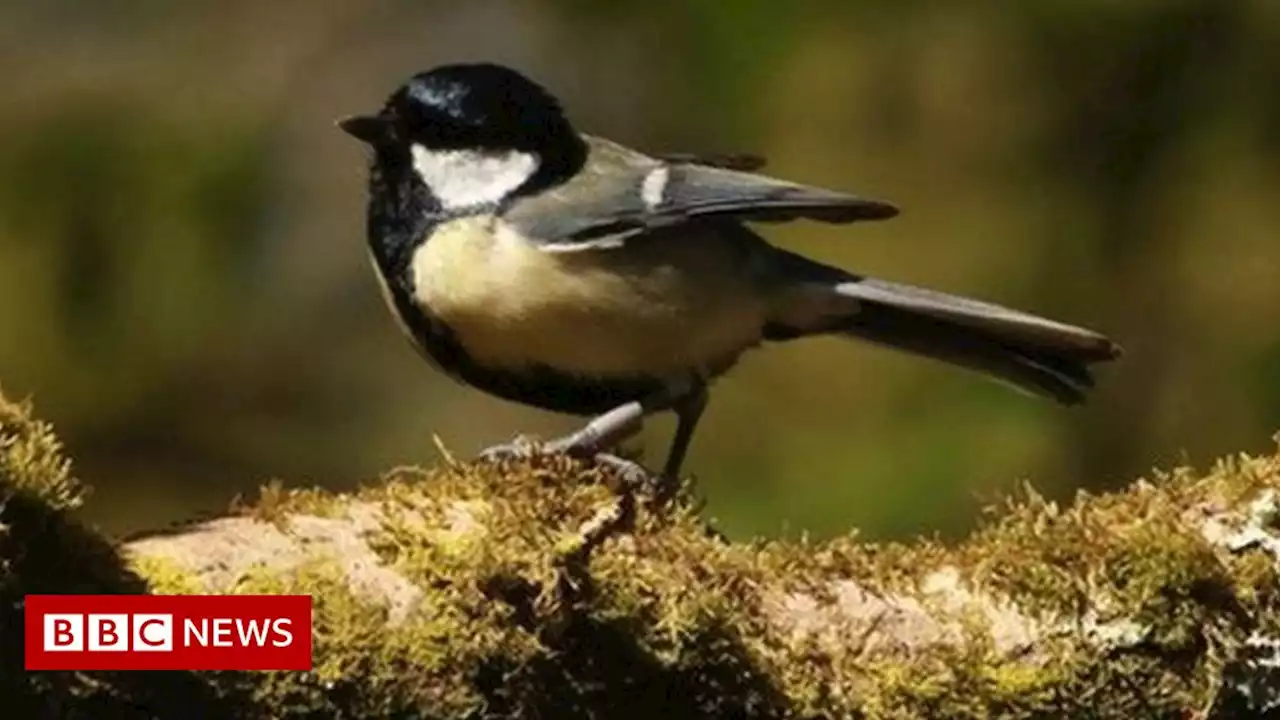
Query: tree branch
x=531 y=589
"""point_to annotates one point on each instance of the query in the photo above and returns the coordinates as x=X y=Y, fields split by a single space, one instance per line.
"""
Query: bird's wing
x=744 y=162
x=620 y=193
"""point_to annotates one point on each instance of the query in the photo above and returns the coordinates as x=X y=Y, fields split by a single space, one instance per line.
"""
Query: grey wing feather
x=609 y=199
x=696 y=190
x=745 y=162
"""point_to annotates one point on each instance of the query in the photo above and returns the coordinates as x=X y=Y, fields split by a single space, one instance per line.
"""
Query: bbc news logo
x=168 y=632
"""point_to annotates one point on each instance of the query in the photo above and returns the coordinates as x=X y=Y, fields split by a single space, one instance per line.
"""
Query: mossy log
x=534 y=589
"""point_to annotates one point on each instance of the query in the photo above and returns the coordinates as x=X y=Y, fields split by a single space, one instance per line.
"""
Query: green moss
x=276 y=503
x=44 y=549
x=673 y=607
x=165 y=577
x=31 y=459
x=500 y=606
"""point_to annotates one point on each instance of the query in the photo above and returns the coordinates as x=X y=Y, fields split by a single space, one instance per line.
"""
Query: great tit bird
x=570 y=273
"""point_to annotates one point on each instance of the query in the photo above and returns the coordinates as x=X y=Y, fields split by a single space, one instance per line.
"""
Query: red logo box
x=168 y=632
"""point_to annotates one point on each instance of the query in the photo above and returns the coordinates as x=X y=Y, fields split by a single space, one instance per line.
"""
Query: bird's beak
x=368 y=129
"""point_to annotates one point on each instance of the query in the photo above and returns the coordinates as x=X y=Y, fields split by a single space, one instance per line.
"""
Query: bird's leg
x=604 y=431
x=688 y=410
x=601 y=433
x=593 y=440
x=614 y=427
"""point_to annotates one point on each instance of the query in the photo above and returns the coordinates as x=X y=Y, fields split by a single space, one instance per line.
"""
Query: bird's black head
x=489 y=111
x=467 y=107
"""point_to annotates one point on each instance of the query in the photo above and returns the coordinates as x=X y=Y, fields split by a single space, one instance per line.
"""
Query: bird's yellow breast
x=655 y=306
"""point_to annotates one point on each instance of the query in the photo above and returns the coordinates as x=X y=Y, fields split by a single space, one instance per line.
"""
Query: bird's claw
x=629 y=476
x=523 y=446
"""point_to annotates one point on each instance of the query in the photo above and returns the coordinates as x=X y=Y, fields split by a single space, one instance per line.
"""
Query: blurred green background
x=184 y=288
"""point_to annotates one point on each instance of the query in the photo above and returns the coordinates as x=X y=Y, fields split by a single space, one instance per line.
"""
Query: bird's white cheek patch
x=467 y=178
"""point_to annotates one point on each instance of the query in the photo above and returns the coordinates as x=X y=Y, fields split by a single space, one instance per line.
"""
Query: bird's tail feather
x=1031 y=353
